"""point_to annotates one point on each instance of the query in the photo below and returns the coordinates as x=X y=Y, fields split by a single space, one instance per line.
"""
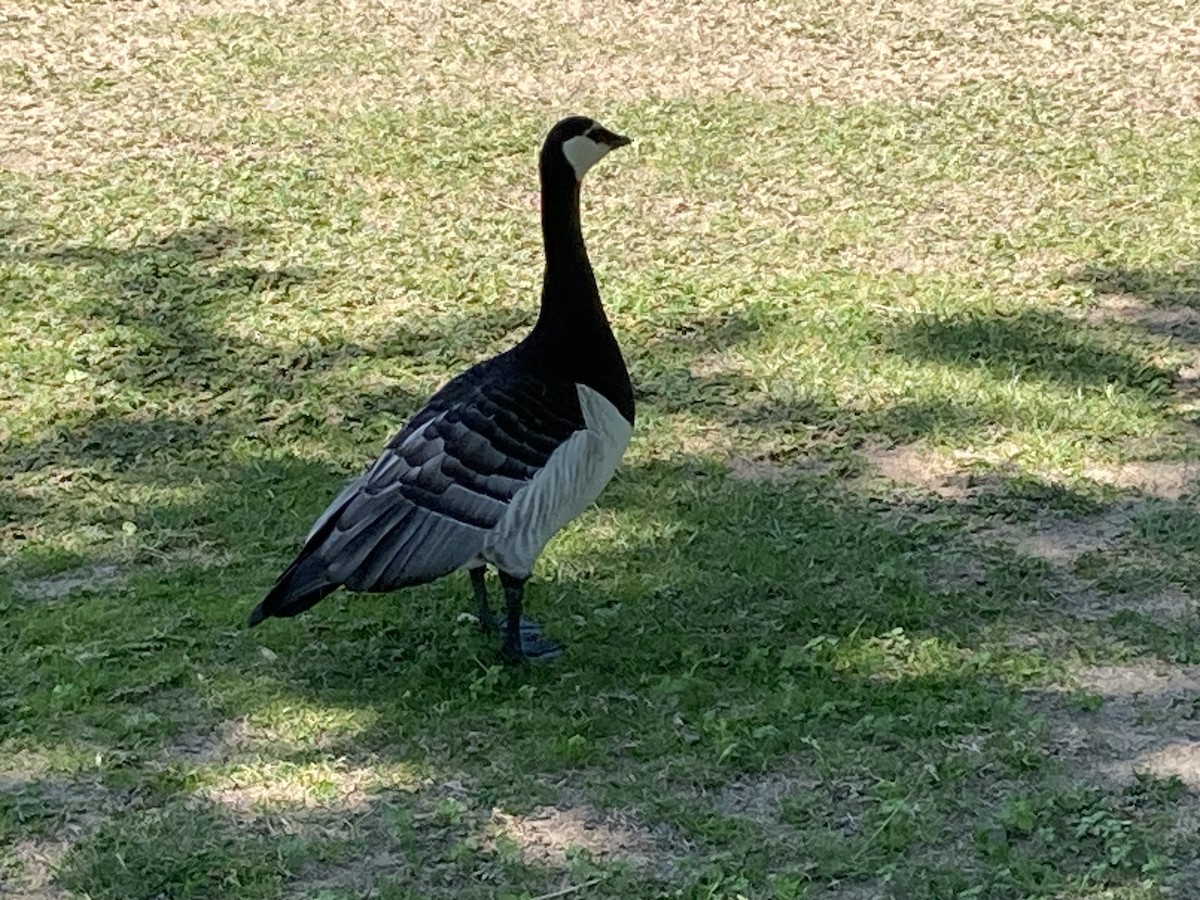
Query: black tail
x=303 y=584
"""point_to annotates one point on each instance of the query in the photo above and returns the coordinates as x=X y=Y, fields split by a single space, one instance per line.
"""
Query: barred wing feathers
x=426 y=506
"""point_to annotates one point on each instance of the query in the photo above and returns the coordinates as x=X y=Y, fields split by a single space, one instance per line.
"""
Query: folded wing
x=426 y=506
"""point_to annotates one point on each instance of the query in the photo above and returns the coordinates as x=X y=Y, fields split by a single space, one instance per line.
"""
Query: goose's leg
x=487 y=621
x=483 y=609
x=522 y=639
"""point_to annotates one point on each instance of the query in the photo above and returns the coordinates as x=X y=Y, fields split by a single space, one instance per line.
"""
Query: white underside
x=571 y=480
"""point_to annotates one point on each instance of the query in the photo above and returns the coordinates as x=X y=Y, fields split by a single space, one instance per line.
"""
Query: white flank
x=583 y=153
x=572 y=478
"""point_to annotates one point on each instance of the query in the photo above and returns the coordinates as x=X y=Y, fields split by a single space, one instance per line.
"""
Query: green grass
x=900 y=356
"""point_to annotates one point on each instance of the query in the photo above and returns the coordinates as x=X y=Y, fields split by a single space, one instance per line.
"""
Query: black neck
x=572 y=335
x=570 y=298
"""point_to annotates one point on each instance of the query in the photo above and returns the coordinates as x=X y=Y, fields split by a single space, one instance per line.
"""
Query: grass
x=892 y=595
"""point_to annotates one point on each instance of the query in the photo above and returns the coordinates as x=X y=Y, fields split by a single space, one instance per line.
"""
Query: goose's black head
x=576 y=144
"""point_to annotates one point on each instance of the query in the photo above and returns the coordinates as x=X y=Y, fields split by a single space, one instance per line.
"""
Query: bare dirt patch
x=1060 y=541
x=743 y=468
x=229 y=741
x=88 y=579
x=1146 y=723
x=1146 y=680
x=914 y=465
x=713 y=364
x=359 y=877
x=1182 y=322
x=545 y=835
x=241 y=741
x=1187 y=385
x=1164 y=479
x=755 y=470
x=1165 y=310
x=961 y=476
x=444 y=816
x=759 y=798
x=327 y=788
x=70 y=808
x=37 y=861
x=1172 y=602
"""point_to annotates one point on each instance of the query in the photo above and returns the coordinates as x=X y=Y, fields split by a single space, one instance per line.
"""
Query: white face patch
x=583 y=153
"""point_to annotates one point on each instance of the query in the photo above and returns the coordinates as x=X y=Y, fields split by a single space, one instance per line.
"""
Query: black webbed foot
x=533 y=648
x=522 y=637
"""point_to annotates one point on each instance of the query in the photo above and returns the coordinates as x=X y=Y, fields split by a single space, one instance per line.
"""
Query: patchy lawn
x=894 y=596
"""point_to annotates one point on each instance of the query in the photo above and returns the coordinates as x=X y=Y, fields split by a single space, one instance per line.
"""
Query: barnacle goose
x=504 y=455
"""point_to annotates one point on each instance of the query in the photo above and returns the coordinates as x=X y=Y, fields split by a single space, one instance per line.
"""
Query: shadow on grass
x=153 y=316
x=730 y=629
x=1032 y=347
x=1165 y=303
x=1175 y=287
x=171 y=384
x=1031 y=344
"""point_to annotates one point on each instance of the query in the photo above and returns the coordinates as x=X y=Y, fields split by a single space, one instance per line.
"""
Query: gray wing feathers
x=332 y=510
x=428 y=504
x=399 y=526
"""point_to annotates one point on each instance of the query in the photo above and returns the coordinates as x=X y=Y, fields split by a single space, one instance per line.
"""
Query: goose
x=503 y=456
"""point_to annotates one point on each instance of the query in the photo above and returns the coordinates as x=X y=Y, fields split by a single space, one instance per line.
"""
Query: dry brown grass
x=89 y=81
